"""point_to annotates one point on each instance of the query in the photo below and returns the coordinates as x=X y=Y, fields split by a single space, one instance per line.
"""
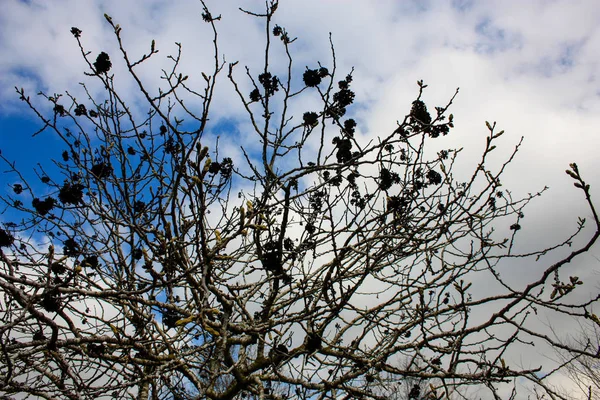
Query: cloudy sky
x=532 y=66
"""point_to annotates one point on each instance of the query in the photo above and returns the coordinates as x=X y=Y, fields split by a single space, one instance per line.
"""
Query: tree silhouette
x=148 y=264
x=573 y=352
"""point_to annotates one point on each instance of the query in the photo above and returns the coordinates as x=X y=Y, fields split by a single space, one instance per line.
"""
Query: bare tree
x=148 y=265
x=574 y=354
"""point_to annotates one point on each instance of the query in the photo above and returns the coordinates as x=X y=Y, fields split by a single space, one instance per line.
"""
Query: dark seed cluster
x=102 y=64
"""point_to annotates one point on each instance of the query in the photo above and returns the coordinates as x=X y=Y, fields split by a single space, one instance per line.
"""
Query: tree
x=573 y=353
x=316 y=265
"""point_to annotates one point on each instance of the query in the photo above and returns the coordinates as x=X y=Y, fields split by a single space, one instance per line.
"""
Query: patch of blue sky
x=563 y=60
x=417 y=6
x=411 y=8
x=23 y=136
x=229 y=134
x=462 y=5
x=568 y=53
x=18 y=144
x=226 y=130
x=29 y=155
x=493 y=39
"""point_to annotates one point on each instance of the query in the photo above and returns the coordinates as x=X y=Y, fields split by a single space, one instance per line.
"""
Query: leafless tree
x=574 y=354
x=147 y=264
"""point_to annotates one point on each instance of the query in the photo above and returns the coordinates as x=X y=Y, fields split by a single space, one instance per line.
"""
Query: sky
x=532 y=66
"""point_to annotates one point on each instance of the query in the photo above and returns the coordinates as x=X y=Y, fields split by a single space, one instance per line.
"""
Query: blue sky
x=532 y=66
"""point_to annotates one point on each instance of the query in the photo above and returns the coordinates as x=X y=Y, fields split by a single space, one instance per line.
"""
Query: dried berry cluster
x=420 y=119
x=269 y=83
x=102 y=64
x=6 y=239
x=43 y=207
x=80 y=110
x=311 y=119
x=225 y=167
x=101 y=170
x=71 y=248
x=71 y=193
x=387 y=178
x=313 y=77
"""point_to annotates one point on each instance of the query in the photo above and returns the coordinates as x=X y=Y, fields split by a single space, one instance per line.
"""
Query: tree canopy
x=312 y=264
